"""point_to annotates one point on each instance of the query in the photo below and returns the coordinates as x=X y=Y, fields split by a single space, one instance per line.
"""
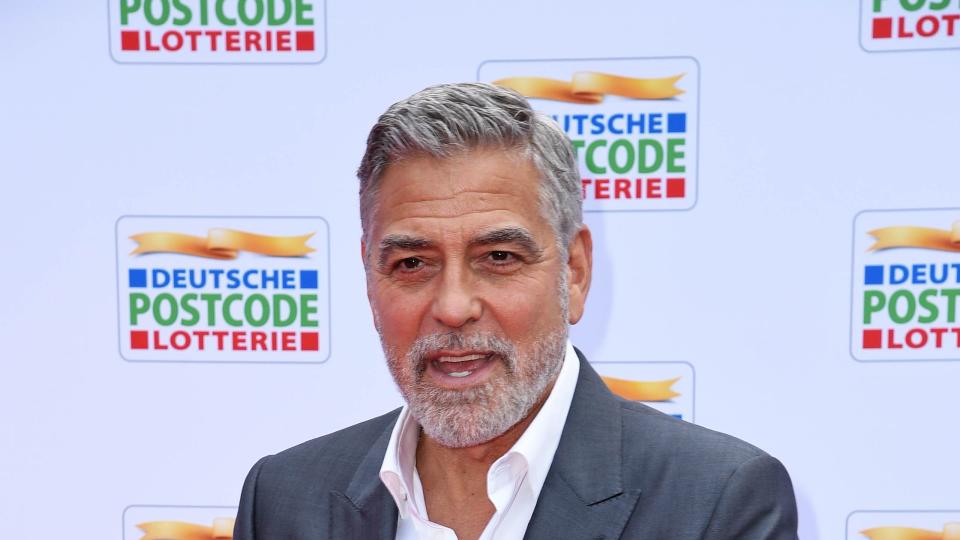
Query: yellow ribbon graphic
x=177 y=530
x=221 y=244
x=917 y=237
x=591 y=87
x=951 y=531
x=642 y=390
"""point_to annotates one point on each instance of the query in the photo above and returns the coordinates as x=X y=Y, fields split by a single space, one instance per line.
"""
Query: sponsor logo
x=212 y=289
x=909 y=25
x=906 y=285
x=665 y=386
x=142 y=522
x=218 y=31
x=903 y=525
x=633 y=124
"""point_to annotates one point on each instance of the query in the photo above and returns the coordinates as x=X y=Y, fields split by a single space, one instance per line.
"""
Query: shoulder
x=336 y=453
x=660 y=431
x=286 y=494
x=660 y=448
x=699 y=483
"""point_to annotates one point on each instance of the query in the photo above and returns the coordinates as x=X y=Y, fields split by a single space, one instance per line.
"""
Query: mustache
x=430 y=344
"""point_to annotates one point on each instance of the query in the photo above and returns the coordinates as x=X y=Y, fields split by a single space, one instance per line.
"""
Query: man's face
x=468 y=291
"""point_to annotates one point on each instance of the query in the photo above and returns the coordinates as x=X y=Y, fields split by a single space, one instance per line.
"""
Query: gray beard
x=462 y=418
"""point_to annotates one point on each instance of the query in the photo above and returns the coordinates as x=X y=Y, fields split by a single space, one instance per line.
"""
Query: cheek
x=399 y=313
x=525 y=313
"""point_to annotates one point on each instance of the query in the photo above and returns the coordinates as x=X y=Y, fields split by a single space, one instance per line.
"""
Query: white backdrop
x=748 y=291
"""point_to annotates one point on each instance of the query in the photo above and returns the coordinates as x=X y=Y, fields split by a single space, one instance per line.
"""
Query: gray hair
x=444 y=120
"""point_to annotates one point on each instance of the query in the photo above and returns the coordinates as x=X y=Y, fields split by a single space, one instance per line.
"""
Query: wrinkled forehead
x=480 y=189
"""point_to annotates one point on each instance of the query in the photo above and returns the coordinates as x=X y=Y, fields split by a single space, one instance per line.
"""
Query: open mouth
x=460 y=368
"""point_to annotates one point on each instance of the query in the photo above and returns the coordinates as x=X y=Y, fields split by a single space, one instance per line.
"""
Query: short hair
x=445 y=120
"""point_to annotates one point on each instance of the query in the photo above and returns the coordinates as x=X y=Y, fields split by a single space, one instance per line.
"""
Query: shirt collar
x=536 y=446
x=539 y=442
x=399 y=461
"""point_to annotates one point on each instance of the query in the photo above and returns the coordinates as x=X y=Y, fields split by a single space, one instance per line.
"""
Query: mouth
x=460 y=368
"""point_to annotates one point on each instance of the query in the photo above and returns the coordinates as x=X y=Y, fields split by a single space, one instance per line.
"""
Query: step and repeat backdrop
x=772 y=188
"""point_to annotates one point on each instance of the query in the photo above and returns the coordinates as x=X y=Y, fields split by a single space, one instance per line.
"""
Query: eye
x=502 y=257
x=410 y=263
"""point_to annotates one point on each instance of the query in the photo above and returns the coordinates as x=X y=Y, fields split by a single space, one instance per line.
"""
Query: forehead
x=476 y=189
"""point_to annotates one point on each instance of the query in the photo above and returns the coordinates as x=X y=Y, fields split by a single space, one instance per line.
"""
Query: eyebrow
x=400 y=242
x=505 y=235
x=510 y=235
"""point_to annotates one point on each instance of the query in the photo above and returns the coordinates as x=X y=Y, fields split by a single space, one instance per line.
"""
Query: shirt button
x=403 y=496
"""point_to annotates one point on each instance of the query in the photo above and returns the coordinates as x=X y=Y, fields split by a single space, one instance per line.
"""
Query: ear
x=580 y=268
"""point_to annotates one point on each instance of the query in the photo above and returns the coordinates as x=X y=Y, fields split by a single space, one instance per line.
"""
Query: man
x=477 y=261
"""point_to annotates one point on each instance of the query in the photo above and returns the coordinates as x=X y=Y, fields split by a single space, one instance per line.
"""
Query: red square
x=310 y=341
x=676 y=188
x=139 y=339
x=872 y=339
x=882 y=28
x=304 y=41
x=130 y=41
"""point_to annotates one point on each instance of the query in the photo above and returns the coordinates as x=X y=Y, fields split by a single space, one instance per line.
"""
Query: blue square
x=308 y=279
x=873 y=275
x=677 y=123
x=138 y=277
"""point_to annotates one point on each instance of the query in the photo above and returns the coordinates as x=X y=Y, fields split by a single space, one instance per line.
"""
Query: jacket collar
x=366 y=509
x=588 y=457
x=584 y=496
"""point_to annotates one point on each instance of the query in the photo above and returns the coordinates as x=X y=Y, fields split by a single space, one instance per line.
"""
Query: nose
x=456 y=302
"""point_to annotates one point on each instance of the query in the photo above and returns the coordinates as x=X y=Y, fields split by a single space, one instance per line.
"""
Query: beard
x=472 y=416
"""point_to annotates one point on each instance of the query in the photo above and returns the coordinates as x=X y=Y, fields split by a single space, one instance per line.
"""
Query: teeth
x=460 y=373
x=461 y=358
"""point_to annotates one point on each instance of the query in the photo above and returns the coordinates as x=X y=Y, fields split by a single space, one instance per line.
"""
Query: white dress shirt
x=514 y=480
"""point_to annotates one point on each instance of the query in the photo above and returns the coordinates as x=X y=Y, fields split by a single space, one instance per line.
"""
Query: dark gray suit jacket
x=622 y=470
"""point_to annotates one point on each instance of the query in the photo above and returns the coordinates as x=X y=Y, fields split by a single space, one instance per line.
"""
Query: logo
x=903 y=525
x=909 y=25
x=665 y=386
x=225 y=289
x=906 y=285
x=178 y=522
x=218 y=31
x=633 y=124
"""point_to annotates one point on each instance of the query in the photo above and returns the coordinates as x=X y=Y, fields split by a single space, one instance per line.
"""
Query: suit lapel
x=583 y=494
x=365 y=509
